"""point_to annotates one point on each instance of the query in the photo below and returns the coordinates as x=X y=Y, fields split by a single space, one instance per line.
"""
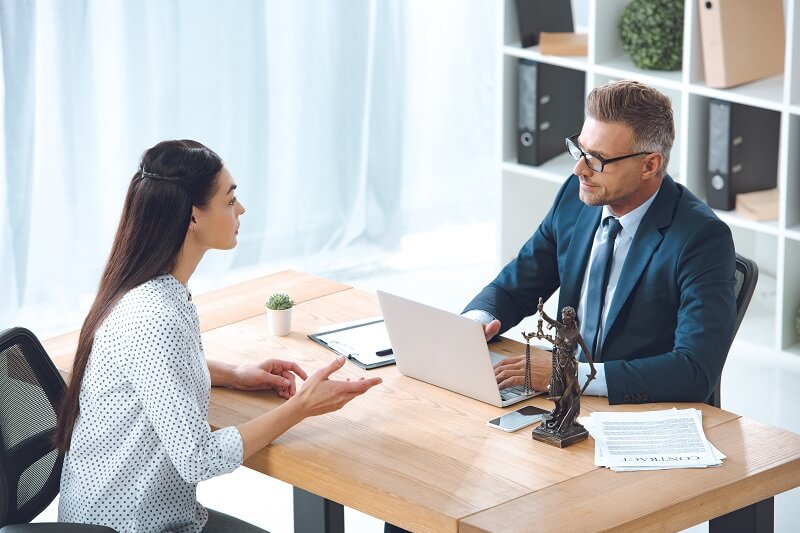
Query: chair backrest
x=30 y=389
x=746 y=278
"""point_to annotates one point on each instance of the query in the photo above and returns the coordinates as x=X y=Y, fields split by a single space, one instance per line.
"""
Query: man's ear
x=651 y=164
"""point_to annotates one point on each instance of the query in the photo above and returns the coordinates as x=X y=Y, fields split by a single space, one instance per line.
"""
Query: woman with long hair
x=133 y=422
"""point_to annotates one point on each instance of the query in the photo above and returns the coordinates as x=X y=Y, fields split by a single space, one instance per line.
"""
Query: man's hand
x=510 y=372
x=491 y=329
x=270 y=374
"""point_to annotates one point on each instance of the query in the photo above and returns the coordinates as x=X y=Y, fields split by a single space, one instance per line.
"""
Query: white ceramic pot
x=279 y=321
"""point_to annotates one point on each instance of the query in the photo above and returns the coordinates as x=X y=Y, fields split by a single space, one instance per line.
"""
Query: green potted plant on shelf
x=279 y=313
x=652 y=33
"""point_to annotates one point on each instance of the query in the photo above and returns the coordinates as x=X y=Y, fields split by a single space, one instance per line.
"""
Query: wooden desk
x=423 y=458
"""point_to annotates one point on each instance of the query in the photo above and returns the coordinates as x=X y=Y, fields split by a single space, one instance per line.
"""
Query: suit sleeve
x=706 y=317
x=515 y=292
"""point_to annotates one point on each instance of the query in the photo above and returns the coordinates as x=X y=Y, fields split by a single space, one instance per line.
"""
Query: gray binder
x=550 y=109
x=742 y=151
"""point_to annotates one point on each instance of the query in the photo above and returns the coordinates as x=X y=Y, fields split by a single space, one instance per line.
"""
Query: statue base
x=561 y=439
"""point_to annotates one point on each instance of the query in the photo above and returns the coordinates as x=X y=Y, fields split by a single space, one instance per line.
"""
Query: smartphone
x=520 y=418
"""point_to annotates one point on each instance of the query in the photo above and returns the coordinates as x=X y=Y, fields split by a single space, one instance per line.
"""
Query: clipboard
x=365 y=343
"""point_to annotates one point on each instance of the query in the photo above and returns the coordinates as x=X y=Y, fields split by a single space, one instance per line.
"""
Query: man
x=653 y=284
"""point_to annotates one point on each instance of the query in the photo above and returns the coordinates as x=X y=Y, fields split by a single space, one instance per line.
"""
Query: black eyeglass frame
x=571 y=141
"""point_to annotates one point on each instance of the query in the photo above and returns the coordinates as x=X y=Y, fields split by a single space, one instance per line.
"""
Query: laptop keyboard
x=512 y=392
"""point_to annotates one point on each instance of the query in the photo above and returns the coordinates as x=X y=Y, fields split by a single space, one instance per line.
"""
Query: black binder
x=536 y=16
x=550 y=109
x=742 y=151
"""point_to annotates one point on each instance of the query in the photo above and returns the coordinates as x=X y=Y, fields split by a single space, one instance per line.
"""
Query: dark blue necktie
x=596 y=292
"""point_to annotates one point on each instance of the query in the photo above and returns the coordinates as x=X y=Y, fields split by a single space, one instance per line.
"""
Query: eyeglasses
x=594 y=162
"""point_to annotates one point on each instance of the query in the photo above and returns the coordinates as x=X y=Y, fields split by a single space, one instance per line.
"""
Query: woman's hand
x=511 y=371
x=320 y=394
x=270 y=374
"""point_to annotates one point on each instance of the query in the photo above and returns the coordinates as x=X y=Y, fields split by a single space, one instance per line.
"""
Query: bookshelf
x=526 y=192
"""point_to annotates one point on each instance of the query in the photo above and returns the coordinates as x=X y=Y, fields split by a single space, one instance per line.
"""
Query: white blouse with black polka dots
x=142 y=442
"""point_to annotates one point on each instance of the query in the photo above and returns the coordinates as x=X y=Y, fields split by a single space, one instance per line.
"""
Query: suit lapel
x=578 y=255
x=646 y=240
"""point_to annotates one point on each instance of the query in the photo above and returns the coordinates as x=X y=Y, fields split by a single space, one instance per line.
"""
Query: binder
x=742 y=40
x=536 y=16
x=742 y=151
x=365 y=343
x=550 y=109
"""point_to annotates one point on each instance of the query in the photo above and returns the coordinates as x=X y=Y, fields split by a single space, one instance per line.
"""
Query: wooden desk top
x=762 y=461
x=407 y=452
x=423 y=457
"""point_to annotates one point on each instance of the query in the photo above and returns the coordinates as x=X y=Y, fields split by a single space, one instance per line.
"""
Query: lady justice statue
x=559 y=427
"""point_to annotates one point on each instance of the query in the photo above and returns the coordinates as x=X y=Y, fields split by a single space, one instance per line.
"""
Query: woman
x=133 y=421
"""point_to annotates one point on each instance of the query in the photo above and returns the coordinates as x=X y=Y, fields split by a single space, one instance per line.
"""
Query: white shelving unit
x=527 y=191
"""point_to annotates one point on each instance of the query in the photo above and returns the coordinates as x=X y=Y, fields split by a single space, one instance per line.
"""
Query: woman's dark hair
x=173 y=176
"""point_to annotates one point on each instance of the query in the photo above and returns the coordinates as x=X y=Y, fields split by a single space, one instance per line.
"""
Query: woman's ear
x=194 y=219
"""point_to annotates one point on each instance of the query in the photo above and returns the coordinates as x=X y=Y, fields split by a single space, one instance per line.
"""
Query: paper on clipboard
x=361 y=342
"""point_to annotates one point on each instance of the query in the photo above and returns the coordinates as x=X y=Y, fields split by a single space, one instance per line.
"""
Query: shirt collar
x=181 y=289
x=630 y=221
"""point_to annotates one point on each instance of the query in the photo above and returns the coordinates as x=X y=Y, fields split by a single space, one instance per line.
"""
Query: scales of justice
x=560 y=427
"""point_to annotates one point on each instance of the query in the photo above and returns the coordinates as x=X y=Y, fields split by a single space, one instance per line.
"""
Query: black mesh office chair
x=746 y=277
x=30 y=466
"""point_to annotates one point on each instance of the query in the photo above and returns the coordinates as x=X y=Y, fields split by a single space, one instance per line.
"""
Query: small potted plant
x=652 y=33
x=279 y=313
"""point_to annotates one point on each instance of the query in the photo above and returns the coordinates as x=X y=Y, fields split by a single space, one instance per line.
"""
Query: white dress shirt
x=142 y=441
x=630 y=225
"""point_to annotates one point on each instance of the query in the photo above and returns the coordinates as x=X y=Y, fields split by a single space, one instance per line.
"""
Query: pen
x=388 y=351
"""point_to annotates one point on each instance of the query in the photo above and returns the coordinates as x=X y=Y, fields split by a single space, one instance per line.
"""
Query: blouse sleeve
x=164 y=373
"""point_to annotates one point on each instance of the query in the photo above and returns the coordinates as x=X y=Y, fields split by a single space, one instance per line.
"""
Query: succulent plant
x=652 y=33
x=279 y=301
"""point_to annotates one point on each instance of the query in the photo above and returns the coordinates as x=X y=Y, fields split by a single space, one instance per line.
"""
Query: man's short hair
x=646 y=111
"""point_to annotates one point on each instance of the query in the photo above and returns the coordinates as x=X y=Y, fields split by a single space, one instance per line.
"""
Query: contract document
x=654 y=440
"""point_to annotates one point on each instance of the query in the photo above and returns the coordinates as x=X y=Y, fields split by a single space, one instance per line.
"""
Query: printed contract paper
x=653 y=440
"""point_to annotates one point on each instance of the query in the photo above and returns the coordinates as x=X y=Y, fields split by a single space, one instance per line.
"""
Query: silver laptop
x=445 y=350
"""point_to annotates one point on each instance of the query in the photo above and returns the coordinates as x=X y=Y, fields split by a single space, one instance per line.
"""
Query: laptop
x=445 y=350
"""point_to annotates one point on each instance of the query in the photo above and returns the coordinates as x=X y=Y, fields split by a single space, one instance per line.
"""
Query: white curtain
x=345 y=123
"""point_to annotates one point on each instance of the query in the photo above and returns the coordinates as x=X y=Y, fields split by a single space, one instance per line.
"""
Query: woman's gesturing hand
x=320 y=394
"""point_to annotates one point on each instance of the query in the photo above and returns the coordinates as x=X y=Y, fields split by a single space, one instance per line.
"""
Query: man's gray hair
x=643 y=109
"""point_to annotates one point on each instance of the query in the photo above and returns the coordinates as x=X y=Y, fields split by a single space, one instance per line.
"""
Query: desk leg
x=314 y=514
x=758 y=518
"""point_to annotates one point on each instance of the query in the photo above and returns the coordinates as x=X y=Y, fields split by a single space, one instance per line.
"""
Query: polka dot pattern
x=142 y=441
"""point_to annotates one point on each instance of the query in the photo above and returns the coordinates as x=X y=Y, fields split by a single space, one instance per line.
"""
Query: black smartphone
x=520 y=418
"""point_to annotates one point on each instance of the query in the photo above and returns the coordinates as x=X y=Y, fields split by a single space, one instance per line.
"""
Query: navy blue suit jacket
x=671 y=322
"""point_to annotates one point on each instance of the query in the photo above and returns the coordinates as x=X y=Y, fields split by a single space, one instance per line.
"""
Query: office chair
x=30 y=466
x=746 y=277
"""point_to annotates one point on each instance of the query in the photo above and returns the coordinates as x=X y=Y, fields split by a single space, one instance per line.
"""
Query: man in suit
x=648 y=266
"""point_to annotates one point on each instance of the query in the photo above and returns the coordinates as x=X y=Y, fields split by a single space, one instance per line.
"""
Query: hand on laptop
x=491 y=329
x=510 y=372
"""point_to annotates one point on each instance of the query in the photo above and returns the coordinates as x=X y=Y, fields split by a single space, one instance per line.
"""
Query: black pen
x=388 y=351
